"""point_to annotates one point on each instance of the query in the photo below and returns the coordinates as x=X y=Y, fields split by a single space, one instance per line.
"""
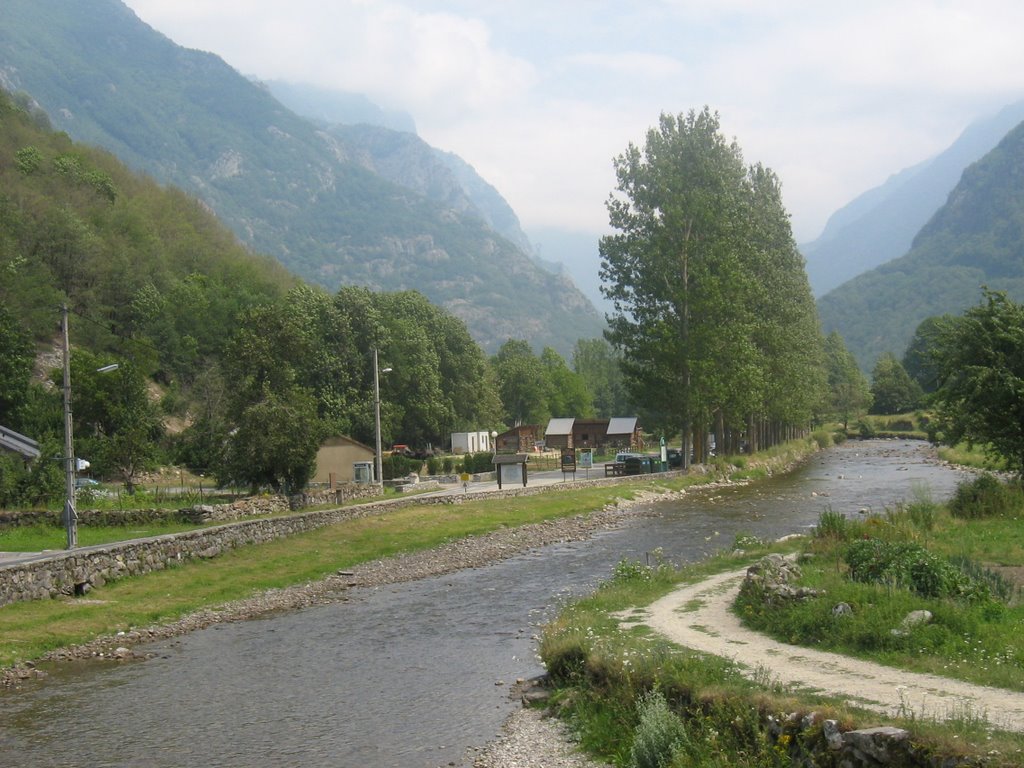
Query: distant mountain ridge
x=975 y=239
x=880 y=224
x=287 y=187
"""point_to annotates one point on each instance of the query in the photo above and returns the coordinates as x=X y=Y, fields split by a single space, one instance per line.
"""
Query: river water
x=410 y=675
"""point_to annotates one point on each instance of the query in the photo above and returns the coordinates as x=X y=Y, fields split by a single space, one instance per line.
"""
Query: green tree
x=979 y=358
x=917 y=360
x=117 y=425
x=892 y=389
x=713 y=313
x=849 y=392
x=569 y=395
x=274 y=442
x=522 y=384
x=16 y=357
x=600 y=366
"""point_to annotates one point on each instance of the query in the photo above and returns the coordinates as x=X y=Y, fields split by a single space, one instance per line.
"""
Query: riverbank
x=470 y=552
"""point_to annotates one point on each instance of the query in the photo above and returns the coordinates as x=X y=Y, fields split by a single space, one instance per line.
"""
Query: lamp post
x=70 y=462
x=376 y=413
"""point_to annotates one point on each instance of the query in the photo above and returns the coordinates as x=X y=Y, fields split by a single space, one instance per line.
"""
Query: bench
x=614 y=469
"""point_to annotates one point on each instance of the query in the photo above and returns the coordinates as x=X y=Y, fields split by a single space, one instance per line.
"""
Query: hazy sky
x=540 y=95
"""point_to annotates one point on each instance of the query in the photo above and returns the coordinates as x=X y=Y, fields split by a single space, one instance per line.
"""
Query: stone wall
x=77 y=571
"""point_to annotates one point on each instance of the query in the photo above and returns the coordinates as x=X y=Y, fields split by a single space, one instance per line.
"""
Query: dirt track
x=698 y=616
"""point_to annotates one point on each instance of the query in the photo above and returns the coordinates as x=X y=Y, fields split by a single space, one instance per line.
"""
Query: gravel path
x=698 y=616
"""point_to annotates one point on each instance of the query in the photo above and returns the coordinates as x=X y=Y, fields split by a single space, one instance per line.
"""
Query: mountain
x=284 y=185
x=975 y=239
x=880 y=224
x=337 y=107
x=577 y=254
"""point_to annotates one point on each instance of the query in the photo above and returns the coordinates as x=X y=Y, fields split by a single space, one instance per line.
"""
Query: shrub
x=822 y=438
x=865 y=428
x=911 y=566
x=433 y=465
x=984 y=496
x=447 y=465
x=659 y=733
x=832 y=525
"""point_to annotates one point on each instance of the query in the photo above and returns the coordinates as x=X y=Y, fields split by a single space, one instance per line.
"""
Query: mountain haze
x=975 y=239
x=286 y=186
x=880 y=224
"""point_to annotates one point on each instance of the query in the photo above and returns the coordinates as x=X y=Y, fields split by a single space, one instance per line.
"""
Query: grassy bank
x=29 y=630
x=636 y=700
x=962 y=562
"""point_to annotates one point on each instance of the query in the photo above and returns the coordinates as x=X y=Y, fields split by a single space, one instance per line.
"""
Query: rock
x=877 y=746
x=833 y=736
x=842 y=609
x=911 y=620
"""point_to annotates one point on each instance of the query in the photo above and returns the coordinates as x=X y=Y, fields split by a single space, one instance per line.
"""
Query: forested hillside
x=976 y=239
x=255 y=366
x=133 y=257
x=284 y=186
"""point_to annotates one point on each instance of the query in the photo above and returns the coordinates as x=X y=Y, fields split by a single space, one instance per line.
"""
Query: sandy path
x=698 y=616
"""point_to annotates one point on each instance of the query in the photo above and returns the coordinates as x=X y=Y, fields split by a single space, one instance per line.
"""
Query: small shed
x=623 y=432
x=16 y=442
x=558 y=435
x=521 y=439
x=471 y=442
x=336 y=460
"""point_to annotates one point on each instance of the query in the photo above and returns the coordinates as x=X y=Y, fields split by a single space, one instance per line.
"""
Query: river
x=410 y=675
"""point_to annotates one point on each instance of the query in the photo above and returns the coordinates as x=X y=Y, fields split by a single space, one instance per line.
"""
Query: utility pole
x=70 y=516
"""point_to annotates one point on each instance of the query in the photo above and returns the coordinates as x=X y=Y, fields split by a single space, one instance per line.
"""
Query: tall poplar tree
x=712 y=310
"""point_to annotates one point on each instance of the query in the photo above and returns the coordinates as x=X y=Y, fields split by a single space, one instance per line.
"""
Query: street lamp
x=376 y=412
x=70 y=464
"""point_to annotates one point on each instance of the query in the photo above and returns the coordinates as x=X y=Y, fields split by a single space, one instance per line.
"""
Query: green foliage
x=984 y=496
x=600 y=366
x=848 y=393
x=911 y=566
x=660 y=734
x=396 y=465
x=980 y=362
x=892 y=389
x=478 y=462
x=714 y=315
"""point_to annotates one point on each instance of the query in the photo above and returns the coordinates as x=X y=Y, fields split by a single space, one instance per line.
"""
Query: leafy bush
x=866 y=428
x=478 y=462
x=984 y=496
x=822 y=437
x=447 y=465
x=434 y=465
x=659 y=733
x=396 y=465
x=911 y=566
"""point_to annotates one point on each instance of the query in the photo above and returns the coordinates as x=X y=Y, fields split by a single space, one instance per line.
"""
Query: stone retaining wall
x=77 y=571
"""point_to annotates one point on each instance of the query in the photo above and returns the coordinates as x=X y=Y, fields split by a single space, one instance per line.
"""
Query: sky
x=541 y=95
